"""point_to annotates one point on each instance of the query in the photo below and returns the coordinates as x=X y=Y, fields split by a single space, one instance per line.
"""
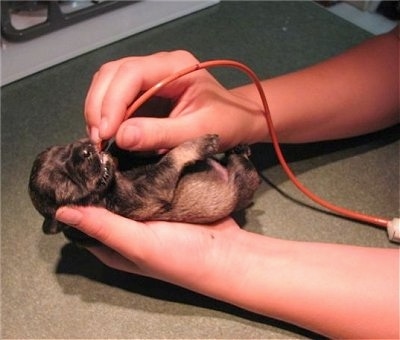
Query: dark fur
x=185 y=185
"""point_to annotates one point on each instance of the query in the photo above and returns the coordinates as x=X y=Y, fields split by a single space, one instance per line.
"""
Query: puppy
x=185 y=185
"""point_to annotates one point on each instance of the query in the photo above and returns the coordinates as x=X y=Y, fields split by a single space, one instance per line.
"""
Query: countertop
x=52 y=289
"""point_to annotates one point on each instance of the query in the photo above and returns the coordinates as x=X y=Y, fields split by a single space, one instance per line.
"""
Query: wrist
x=239 y=275
x=253 y=107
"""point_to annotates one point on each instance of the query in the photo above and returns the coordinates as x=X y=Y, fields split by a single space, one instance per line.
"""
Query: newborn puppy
x=185 y=185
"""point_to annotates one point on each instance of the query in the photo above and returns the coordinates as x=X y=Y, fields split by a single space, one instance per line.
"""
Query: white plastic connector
x=393 y=230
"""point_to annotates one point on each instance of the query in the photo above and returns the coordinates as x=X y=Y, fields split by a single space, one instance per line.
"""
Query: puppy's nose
x=87 y=153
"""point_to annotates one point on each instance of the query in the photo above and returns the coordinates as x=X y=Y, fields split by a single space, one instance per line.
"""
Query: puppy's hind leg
x=244 y=173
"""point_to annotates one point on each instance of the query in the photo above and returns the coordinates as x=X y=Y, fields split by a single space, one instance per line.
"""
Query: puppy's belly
x=204 y=197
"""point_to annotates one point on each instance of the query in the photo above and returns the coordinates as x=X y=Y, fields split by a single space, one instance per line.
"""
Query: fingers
x=114 y=231
x=118 y=83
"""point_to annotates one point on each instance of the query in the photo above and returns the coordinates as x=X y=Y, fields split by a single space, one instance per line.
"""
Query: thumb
x=114 y=231
x=142 y=133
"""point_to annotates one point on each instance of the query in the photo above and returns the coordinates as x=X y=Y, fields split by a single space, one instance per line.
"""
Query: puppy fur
x=186 y=185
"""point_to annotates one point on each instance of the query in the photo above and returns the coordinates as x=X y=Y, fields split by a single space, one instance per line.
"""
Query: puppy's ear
x=52 y=226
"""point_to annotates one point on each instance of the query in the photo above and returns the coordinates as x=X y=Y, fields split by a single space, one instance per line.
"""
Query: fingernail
x=103 y=128
x=130 y=136
x=69 y=216
x=94 y=134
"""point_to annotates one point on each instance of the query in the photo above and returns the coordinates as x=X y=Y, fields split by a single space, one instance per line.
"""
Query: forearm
x=354 y=93
x=336 y=290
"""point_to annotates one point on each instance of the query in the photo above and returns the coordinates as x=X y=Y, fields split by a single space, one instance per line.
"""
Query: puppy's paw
x=208 y=145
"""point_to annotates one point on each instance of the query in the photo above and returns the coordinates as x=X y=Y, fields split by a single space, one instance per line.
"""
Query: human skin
x=353 y=93
x=350 y=94
x=336 y=290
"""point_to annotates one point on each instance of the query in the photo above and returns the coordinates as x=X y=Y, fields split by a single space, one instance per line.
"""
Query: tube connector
x=393 y=230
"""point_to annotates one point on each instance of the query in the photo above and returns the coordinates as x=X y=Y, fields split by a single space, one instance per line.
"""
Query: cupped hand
x=198 y=257
x=200 y=105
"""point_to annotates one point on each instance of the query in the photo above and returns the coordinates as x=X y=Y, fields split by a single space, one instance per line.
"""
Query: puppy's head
x=74 y=174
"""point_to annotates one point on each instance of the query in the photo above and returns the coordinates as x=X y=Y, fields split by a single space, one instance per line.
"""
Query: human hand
x=200 y=105
x=197 y=257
